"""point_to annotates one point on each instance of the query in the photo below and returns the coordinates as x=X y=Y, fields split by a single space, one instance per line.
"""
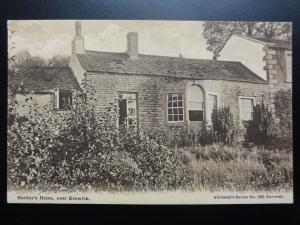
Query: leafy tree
x=25 y=59
x=59 y=60
x=216 y=33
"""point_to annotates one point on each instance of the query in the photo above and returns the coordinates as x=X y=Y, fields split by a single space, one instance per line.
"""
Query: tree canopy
x=216 y=33
x=25 y=59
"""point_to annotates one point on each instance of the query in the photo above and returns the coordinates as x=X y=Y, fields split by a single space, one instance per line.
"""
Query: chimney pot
x=132 y=45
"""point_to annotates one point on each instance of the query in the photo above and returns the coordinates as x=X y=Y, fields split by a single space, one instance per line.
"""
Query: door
x=122 y=112
x=127 y=110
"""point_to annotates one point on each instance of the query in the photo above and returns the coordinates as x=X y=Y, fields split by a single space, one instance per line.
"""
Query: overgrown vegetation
x=272 y=132
x=284 y=126
x=226 y=168
x=85 y=150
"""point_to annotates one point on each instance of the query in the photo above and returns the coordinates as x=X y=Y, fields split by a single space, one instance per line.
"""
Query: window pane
x=196 y=115
x=131 y=111
x=175 y=117
x=179 y=103
x=174 y=103
x=170 y=118
x=175 y=111
x=169 y=111
x=180 y=97
x=180 y=111
x=180 y=117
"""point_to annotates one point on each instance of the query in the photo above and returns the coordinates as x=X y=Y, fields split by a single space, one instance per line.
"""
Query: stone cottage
x=154 y=90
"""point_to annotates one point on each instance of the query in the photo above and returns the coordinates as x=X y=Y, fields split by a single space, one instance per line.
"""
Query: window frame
x=136 y=95
x=204 y=103
x=183 y=107
x=240 y=106
x=57 y=99
x=286 y=53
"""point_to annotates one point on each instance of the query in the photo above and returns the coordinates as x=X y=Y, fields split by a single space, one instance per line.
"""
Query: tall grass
x=224 y=168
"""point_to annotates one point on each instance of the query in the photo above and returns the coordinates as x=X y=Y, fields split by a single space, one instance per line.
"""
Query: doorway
x=128 y=110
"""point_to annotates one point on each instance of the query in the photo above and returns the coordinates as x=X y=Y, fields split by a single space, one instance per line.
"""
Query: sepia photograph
x=149 y=112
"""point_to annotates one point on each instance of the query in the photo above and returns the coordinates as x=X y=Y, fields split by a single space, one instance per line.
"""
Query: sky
x=47 y=38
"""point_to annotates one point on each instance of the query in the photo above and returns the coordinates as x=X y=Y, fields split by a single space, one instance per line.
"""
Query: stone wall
x=152 y=92
x=276 y=72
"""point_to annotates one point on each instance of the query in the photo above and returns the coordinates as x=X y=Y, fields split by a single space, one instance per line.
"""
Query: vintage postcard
x=149 y=112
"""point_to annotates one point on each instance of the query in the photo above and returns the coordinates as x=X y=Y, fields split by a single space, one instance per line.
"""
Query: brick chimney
x=78 y=41
x=132 y=45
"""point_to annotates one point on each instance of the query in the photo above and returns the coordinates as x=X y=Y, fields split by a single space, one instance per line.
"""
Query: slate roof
x=166 y=66
x=276 y=42
x=42 y=79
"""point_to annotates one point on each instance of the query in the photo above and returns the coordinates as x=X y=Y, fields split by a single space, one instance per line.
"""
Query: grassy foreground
x=224 y=168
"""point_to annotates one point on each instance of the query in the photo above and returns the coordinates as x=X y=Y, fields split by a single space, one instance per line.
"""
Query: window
x=175 y=107
x=288 y=66
x=246 y=108
x=212 y=104
x=64 y=99
x=196 y=103
x=127 y=110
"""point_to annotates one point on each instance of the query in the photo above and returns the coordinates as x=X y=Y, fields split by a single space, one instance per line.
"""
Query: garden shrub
x=205 y=135
x=172 y=136
x=283 y=132
x=223 y=126
x=84 y=149
x=259 y=130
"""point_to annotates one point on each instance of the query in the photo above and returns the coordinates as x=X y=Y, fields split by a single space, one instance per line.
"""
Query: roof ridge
x=163 y=56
